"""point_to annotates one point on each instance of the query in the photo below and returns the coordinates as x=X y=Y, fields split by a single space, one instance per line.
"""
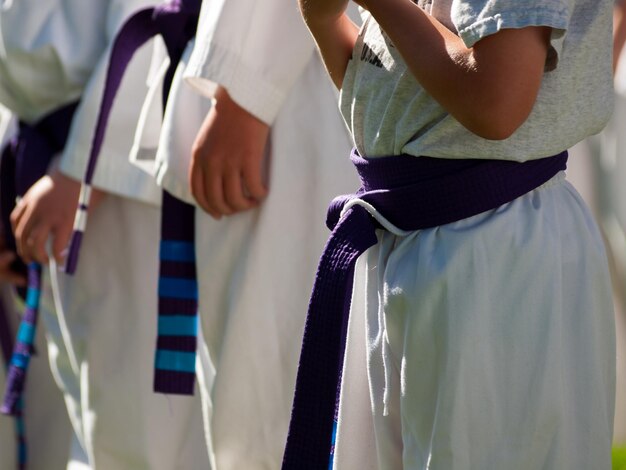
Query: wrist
x=228 y=107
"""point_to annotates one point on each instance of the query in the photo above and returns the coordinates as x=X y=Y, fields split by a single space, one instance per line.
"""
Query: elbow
x=495 y=130
x=497 y=122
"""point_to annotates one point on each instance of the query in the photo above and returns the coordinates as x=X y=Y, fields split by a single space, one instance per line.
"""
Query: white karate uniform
x=437 y=352
x=256 y=268
x=487 y=343
x=102 y=321
x=48 y=430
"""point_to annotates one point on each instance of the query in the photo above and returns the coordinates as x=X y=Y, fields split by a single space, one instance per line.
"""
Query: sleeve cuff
x=134 y=184
x=216 y=65
x=555 y=18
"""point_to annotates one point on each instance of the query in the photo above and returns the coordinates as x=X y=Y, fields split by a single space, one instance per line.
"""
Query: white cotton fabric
x=489 y=344
x=102 y=350
x=256 y=272
x=48 y=430
x=102 y=335
x=612 y=163
x=42 y=65
x=256 y=269
x=48 y=53
x=114 y=173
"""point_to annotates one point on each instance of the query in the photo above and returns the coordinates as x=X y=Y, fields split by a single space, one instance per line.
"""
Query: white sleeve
x=114 y=173
x=256 y=49
x=47 y=52
x=8 y=126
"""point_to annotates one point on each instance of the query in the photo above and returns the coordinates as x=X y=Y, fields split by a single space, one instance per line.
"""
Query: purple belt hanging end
x=137 y=30
x=170 y=20
x=80 y=222
x=16 y=376
x=177 y=324
x=6 y=345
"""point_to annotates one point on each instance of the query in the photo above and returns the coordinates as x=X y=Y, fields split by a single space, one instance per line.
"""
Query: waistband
x=415 y=193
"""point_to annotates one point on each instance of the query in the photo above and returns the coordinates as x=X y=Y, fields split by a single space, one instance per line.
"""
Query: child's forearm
x=334 y=33
x=490 y=88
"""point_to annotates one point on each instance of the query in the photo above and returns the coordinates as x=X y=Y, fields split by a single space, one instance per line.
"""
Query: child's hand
x=47 y=209
x=227 y=159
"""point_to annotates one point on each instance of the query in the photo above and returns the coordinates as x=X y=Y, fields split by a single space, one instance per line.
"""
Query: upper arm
x=514 y=42
x=619 y=31
x=512 y=63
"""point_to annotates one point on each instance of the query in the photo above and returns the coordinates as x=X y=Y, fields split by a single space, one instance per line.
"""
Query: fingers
x=234 y=196
x=20 y=223
x=17 y=214
x=226 y=192
x=36 y=243
x=214 y=193
x=253 y=180
x=31 y=235
x=196 y=180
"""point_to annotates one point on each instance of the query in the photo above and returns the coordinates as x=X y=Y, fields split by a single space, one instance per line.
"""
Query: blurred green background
x=619 y=458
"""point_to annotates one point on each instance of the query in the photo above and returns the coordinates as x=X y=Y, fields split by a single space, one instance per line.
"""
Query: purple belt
x=413 y=194
x=175 y=22
x=178 y=316
x=24 y=161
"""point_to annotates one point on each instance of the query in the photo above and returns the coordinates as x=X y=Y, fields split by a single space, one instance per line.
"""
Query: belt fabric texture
x=24 y=161
x=175 y=358
x=412 y=193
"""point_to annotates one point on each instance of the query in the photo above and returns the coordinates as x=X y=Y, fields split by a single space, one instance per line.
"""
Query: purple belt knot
x=412 y=193
x=176 y=22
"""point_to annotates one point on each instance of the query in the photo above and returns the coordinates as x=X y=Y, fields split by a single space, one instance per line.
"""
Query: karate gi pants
x=484 y=344
x=255 y=274
x=107 y=327
x=48 y=430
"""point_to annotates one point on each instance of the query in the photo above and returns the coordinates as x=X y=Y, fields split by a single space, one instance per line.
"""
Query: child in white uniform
x=101 y=330
x=255 y=267
x=42 y=68
x=488 y=342
x=47 y=428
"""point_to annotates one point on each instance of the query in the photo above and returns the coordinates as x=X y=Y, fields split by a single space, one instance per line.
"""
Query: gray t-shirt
x=389 y=113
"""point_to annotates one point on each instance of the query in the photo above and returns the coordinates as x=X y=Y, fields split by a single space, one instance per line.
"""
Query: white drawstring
x=374 y=213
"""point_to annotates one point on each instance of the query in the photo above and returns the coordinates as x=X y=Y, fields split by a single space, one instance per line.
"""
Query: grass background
x=619 y=458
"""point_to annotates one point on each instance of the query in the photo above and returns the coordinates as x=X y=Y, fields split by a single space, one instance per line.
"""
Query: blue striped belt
x=24 y=161
x=178 y=305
